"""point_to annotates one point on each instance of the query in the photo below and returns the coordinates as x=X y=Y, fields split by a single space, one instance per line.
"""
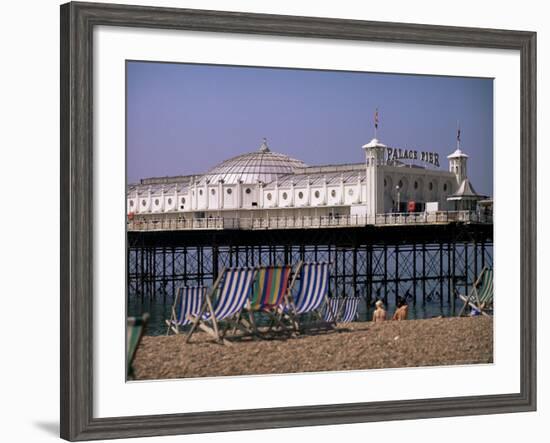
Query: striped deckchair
x=188 y=302
x=135 y=327
x=270 y=291
x=349 y=312
x=331 y=312
x=270 y=286
x=224 y=301
x=313 y=290
x=480 y=297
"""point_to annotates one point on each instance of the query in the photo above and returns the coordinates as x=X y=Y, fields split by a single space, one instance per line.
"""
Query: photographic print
x=284 y=220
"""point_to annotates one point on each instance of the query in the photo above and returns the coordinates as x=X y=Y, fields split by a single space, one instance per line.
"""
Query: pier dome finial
x=263 y=146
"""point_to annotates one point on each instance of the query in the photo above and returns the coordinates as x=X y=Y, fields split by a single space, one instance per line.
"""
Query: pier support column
x=441 y=274
x=369 y=277
x=466 y=269
x=354 y=276
x=423 y=273
x=415 y=279
x=141 y=273
x=396 y=273
x=385 y=274
x=476 y=270
x=174 y=277
x=453 y=274
x=449 y=274
x=185 y=269
x=164 y=282
x=215 y=262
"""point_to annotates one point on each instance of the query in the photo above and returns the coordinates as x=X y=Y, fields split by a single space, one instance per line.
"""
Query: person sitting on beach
x=379 y=314
x=402 y=310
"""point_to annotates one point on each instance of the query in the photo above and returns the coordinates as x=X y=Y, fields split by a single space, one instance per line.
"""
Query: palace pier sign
x=412 y=154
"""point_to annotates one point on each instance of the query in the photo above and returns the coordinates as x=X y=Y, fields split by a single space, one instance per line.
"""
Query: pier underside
x=423 y=263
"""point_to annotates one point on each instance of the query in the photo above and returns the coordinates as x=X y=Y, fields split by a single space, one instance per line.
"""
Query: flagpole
x=376 y=124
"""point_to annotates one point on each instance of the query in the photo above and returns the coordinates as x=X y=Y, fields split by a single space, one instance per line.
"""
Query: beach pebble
x=364 y=346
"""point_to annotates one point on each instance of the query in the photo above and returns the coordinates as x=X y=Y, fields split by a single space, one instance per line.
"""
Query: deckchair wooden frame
x=474 y=291
x=172 y=321
x=215 y=331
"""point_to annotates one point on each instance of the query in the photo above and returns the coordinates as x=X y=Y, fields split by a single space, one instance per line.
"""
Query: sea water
x=160 y=310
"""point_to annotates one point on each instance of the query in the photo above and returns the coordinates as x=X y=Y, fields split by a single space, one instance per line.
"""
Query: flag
x=376 y=119
x=458 y=132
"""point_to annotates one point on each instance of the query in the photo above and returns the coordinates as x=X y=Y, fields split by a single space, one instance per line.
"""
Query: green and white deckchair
x=135 y=327
x=480 y=297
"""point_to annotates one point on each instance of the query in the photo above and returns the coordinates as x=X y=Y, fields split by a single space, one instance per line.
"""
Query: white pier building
x=266 y=189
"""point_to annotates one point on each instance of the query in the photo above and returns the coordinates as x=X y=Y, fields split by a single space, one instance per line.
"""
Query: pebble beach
x=360 y=345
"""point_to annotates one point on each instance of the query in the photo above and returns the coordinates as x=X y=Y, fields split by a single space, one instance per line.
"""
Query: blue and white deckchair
x=313 y=287
x=349 y=312
x=188 y=302
x=225 y=301
x=313 y=290
x=332 y=310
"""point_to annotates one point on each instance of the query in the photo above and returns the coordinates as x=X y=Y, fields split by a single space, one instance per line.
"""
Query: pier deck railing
x=171 y=222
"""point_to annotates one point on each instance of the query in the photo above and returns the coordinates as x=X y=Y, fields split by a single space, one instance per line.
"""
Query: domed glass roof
x=253 y=167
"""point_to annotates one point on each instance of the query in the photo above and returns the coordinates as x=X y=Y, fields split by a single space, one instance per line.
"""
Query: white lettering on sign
x=412 y=154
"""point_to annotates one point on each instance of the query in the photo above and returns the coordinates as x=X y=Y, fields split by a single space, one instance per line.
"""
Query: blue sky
x=185 y=118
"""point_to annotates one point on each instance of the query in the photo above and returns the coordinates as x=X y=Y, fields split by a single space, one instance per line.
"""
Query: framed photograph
x=273 y=221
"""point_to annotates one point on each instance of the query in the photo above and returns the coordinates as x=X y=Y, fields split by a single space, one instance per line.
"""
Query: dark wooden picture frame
x=77 y=217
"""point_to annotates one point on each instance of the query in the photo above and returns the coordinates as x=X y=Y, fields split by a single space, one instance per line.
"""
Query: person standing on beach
x=402 y=310
x=379 y=314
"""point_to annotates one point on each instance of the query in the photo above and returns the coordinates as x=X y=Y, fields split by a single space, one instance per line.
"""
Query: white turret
x=374 y=157
x=457 y=162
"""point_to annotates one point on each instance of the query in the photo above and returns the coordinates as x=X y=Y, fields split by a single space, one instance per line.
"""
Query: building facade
x=263 y=184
